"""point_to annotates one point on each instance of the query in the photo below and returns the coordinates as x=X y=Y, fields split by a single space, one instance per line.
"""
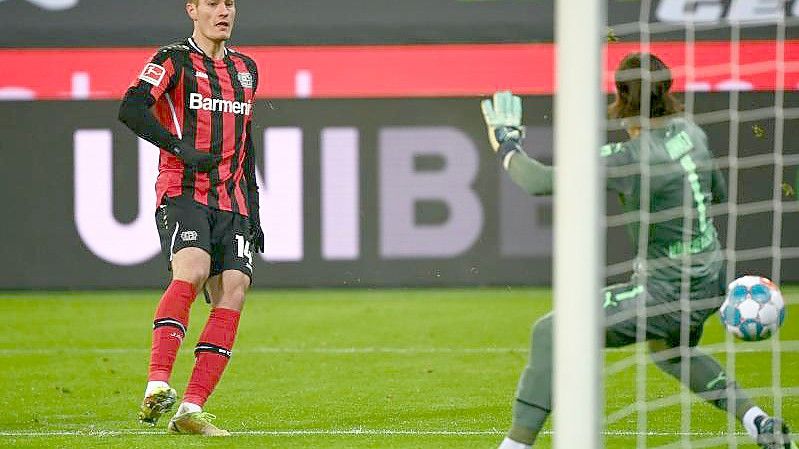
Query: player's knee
x=191 y=265
x=196 y=274
x=232 y=298
x=663 y=355
x=665 y=364
x=237 y=290
x=234 y=288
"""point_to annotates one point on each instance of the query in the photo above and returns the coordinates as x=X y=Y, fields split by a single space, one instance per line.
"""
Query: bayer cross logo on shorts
x=188 y=236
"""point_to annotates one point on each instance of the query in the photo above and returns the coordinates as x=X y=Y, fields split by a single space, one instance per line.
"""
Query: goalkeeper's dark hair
x=630 y=79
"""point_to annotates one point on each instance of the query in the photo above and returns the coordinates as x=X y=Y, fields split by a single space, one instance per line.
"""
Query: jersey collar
x=197 y=48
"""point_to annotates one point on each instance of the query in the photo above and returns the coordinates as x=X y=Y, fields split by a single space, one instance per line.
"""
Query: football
x=753 y=309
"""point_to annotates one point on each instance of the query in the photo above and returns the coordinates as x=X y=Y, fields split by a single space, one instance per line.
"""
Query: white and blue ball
x=754 y=308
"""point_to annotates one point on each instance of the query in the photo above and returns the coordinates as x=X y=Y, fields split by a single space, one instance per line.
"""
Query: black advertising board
x=371 y=192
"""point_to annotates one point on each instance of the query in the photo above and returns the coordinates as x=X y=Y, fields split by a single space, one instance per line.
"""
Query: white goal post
x=579 y=234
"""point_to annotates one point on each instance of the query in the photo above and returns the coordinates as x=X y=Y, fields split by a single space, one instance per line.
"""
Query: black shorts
x=663 y=309
x=185 y=223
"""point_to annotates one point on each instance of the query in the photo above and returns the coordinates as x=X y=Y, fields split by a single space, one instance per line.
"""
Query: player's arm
x=253 y=199
x=618 y=159
x=135 y=112
x=503 y=119
x=529 y=174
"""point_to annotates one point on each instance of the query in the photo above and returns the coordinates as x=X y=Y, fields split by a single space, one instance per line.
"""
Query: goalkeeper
x=679 y=159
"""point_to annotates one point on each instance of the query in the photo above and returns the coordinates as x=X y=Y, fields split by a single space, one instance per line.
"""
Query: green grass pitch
x=331 y=368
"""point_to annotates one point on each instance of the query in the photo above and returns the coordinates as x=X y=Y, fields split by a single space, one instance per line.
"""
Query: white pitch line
x=356 y=431
x=270 y=350
x=262 y=432
x=787 y=346
x=386 y=350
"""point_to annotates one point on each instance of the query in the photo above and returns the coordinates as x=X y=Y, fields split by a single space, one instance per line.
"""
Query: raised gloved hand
x=196 y=160
x=503 y=118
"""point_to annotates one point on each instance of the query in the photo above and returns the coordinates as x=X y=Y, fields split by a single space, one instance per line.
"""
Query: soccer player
x=679 y=158
x=194 y=100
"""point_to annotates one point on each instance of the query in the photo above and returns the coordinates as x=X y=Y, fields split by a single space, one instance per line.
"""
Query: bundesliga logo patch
x=153 y=74
x=245 y=78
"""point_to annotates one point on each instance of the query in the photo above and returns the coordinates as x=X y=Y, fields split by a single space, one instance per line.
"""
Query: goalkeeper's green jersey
x=671 y=169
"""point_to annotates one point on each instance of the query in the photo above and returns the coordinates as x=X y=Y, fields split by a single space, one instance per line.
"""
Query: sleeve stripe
x=174 y=116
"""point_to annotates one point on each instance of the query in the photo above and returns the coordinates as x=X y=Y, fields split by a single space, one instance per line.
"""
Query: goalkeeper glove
x=503 y=119
x=196 y=160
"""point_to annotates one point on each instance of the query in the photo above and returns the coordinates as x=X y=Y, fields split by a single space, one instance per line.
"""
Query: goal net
x=735 y=68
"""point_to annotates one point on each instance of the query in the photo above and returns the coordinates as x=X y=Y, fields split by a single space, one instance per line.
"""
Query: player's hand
x=256 y=236
x=196 y=160
x=503 y=118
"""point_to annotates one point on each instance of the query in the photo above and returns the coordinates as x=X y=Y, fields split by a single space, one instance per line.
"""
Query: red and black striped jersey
x=207 y=103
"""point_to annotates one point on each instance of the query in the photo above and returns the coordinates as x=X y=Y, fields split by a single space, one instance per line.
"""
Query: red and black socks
x=169 y=328
x=212 y=354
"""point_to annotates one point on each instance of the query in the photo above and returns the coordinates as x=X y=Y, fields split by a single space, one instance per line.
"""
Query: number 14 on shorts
x=243 y=249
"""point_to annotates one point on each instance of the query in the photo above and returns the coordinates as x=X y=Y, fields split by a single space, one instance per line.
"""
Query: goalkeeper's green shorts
x=663 y=308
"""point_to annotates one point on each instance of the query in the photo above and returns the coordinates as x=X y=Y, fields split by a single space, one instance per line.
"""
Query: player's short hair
x=630 y=78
